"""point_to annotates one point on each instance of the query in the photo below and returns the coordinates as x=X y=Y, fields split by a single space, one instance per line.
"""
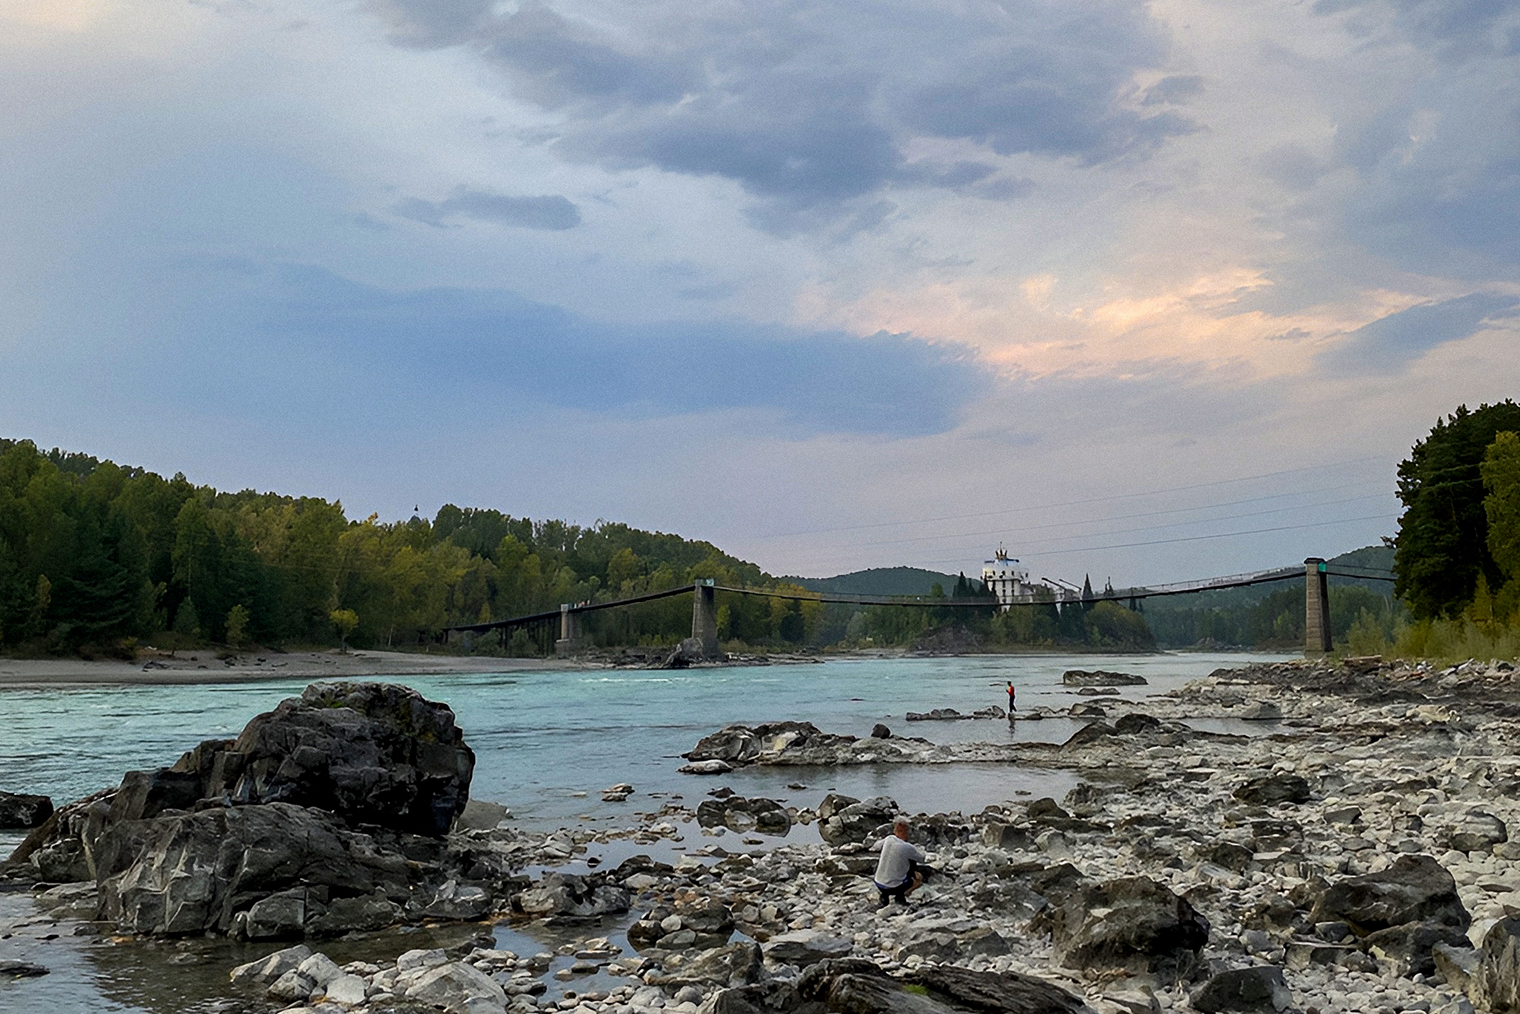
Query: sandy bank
x=205 y=667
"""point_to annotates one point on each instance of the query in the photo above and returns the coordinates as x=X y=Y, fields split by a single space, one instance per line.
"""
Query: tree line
x=98 y=557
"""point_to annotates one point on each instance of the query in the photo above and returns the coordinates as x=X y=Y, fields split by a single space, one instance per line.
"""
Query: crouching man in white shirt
x=900 y=871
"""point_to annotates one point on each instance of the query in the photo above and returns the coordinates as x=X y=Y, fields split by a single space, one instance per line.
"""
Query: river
x=546 y=744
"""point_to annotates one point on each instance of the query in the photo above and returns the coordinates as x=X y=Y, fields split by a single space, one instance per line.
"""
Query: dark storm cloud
x=809 y=107
x=494 y=346
x=1390 y=343
x=550 y=212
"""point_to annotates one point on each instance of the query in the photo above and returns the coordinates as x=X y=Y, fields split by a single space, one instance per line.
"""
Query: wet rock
x=792 y=742
x=879 y=731
x=937 y=715
x=706 y=767
x=11 y=968
x=20 y=811
x=1274 y=788
x=1496 y=982
x=272 y=966
x=566 y=894
x=740 y=814
x=1257 y=990
x=1132 y=923
x=206 y=871
x=1100 y=678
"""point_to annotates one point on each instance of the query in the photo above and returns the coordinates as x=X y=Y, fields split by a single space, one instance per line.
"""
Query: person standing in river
x=1011 y=708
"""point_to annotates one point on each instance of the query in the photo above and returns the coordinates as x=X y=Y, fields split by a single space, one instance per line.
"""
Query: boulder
x=736 y=964
x=1476 y=831
x=1274 y=788
x=772 y=743
x=857 y=822
x=1100 y=678
x=805 y=947
x=1132 y=923
x=688 y=653
x=740 y=814
x=21 y=811
x=1415 y=889
x=566 y=894
x=937 y=715
x=268 y=870
x=12 y=968
x=879 y=731
x=1496 y=982
x=1005 y=992
x=1260 y=711
x=457 y=988
x=272 y=966
x=1257 y=990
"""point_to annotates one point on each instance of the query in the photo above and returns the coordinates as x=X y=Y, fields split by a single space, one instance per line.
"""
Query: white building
x=1006 y=579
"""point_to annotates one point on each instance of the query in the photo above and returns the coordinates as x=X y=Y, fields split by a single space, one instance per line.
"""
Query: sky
x=1147 y=291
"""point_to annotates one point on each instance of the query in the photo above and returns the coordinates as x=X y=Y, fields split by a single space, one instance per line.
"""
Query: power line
x=1122 y=531
x=1201 y=538
x=1066 y=503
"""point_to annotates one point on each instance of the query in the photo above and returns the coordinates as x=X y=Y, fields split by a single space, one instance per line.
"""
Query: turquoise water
x=546 y=743
x=542 y=738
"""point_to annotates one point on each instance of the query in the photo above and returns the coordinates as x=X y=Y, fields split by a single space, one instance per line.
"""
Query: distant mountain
x=879 y=581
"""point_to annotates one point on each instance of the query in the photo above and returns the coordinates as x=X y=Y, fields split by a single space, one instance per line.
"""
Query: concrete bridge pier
x=1316 y=607
x=704 y=618
x=569 y=631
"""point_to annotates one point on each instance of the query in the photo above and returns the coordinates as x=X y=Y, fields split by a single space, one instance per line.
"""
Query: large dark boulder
x=373 y=753
x=1399 y=914
x=857 y=821
x=263 y=871
x=772 y=742
x=1005 y=992
x=20 y=811
x=1132 y=923
x=1415 y=888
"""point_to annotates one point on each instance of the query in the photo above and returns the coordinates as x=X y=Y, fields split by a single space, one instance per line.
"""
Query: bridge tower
x=1316 y=607
x=704 y=618
x=569 y=630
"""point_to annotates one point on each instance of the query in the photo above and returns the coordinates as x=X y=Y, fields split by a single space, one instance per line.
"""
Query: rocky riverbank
x=1353 y=856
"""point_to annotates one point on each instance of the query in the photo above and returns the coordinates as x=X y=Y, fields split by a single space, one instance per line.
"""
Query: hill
x=878 y=581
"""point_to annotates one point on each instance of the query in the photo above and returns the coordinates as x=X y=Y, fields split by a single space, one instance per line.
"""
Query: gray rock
x=766 y=816
x=272 y=966
x=1415 y=889
x=1476 y=831
x=1005 y=993
x=805 y=947
x=1457 y=965
x=566 y=894
x=457 y=988
x=1100 y=678
x=1257 y=990
x=736 y=964
x=1259 y=711
x=857 y=822
x=1496 y=983
x=480 y=815
x=1274 y=788
x=21 y=811
x=1133 y=923
x=879 y=731
x=11 y=968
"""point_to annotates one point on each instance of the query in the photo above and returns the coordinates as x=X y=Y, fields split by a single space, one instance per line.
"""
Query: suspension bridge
x=1315 y=573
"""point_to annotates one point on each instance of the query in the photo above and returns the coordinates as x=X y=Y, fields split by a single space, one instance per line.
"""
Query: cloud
x=812 y=107
x=430 y=24
x=1389 y=344
x=483 y=346
x=549 y=212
